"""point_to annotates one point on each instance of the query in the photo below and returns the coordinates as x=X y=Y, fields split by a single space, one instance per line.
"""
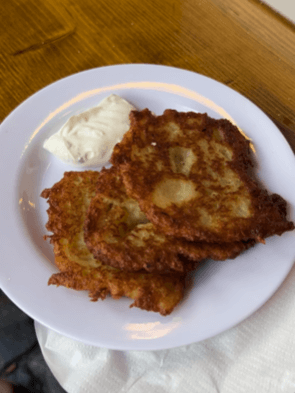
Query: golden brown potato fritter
x=190 y=176
x=118 y=233
x=68 y=203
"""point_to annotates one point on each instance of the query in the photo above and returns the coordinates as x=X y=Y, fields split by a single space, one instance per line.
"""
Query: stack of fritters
x=118 y=233
x=68 y=203
x=180 y=191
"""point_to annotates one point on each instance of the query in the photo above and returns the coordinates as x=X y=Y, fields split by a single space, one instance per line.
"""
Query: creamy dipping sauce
x=88 y=139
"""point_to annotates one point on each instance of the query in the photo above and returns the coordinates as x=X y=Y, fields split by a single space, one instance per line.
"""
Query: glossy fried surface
x=118 y=233
x=68 y=202
x=190 y=175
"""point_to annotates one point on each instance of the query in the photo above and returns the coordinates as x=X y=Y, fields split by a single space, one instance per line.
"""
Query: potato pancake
x=118 y=233
x=191 y=176
x=68 y=203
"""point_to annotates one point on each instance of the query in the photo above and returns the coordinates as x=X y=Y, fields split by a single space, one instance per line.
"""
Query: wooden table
x=241 y=43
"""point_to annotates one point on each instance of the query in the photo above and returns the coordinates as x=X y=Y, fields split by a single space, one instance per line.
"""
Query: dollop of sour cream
x=88 y=139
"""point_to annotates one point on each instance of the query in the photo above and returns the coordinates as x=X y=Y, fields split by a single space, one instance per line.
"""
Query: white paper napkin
x=258 y=355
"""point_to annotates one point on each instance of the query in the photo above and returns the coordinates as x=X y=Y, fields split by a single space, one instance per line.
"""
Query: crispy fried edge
x=123 y=254
x=267 y=219
x=154 y=293
x=193 y=253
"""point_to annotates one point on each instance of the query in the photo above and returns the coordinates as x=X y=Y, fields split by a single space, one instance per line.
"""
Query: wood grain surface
x=241 y=43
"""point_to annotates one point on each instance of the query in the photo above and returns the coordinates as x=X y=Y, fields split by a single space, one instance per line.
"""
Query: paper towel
x=258 y=355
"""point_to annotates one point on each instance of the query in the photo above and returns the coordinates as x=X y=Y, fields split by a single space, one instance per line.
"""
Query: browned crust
x=123 y=254
x=266 y=216
x=106 y=216
x=216 y=251
x=150 y=292
x=68 y=201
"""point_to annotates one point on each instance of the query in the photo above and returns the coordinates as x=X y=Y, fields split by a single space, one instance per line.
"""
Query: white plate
x=224 y=293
